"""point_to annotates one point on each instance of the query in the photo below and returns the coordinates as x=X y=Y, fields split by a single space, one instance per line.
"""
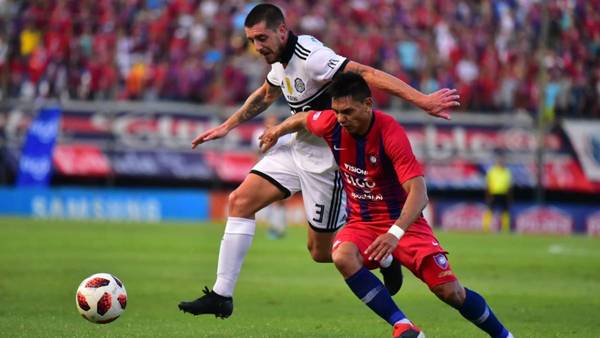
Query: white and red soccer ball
x=101 y=298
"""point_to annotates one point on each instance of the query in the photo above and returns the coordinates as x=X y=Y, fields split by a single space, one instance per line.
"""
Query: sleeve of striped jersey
x=320 y=123
x=399 y=150
x=324 y=63
x=272 y=78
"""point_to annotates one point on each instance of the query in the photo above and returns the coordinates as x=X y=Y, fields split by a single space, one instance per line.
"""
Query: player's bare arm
x=416 y=201
x=435 y=104
x=255 y=104
x=292 y=124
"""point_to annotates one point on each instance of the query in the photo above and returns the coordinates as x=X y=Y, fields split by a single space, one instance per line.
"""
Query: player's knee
x=239 y=204
x=346 y=262
x=343 y=262
x=318 y=254
x=452 y=294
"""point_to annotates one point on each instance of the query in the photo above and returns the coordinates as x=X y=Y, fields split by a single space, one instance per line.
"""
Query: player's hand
x=211 y=134
x=438 y=103
x=268 y=139
x=382 y=246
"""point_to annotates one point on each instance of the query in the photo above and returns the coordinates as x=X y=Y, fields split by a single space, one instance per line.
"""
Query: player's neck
x=288 y=49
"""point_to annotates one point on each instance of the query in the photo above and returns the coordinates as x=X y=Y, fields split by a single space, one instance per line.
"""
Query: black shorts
x=499 y=202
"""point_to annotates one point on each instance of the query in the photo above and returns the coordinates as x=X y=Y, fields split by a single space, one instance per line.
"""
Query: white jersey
x=310 y=67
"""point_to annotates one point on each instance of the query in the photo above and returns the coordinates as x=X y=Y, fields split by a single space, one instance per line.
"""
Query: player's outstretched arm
x=435 y=104
x=290 y=125
x=416 y=201
x=255 y=104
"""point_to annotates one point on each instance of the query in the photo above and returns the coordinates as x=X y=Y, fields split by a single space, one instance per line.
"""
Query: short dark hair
x=270 y=14
x=349 y=84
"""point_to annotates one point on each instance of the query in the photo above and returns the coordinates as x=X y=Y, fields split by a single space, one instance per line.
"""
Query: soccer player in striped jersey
x=301 y=70
x=386 y=194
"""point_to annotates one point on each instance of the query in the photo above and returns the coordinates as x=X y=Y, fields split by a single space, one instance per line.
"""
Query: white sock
x=386 y=262
x=234 y=247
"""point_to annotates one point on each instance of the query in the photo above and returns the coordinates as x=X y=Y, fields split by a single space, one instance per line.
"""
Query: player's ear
x=368 y=102
x=282 y=31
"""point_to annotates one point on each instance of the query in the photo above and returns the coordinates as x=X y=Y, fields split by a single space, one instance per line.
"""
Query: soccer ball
x=101 y=298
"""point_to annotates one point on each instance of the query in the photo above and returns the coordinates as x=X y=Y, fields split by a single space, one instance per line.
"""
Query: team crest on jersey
x=441 y=261
x=373 y=159
x=299 y=85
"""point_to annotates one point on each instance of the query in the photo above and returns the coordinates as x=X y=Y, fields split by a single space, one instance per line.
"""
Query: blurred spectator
x=194 y=50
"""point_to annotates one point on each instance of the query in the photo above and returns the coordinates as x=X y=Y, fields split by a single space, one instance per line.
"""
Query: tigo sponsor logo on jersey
x=359 y=181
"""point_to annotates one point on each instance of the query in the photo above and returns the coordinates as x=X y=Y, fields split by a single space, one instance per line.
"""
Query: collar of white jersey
x=288 y=50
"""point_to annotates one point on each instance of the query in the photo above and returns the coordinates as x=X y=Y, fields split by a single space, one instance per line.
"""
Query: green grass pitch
x=538 y=286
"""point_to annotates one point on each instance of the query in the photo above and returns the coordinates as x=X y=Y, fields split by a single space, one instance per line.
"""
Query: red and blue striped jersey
x=373 y=166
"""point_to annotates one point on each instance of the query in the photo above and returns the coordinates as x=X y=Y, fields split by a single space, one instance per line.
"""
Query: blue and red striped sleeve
x=399 y=150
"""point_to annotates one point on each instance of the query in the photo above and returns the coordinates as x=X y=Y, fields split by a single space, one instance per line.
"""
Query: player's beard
x=271 y=56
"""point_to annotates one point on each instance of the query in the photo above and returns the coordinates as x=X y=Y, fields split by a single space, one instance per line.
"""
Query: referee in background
x=498 y=194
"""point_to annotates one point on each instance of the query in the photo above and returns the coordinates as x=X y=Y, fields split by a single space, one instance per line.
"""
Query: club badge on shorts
x=441 y=261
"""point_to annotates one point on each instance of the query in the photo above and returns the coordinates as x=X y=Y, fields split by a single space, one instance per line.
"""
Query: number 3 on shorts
x=319 y=209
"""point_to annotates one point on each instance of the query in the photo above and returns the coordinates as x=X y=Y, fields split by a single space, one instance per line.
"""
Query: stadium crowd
x=193 y=50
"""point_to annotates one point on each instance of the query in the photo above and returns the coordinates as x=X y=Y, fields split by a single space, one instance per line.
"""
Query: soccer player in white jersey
x=301 y=69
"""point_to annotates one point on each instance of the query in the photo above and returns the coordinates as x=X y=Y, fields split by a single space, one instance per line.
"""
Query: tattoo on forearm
x=253 y=107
